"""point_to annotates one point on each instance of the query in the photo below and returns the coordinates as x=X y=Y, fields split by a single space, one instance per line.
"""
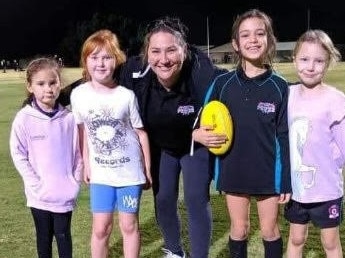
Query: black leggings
x=49 y=224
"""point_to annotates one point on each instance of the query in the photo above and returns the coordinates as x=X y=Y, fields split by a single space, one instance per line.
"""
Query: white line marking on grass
x=255 y=245
x=311 y=254
x=218 y=246
x=148 y=249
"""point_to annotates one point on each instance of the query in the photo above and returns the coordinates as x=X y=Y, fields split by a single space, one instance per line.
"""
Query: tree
x=129 y=31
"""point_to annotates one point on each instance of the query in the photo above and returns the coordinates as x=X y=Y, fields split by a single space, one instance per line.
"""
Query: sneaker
x=169 y=254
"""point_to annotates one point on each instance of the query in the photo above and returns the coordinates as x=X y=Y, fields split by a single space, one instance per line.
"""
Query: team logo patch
x=266 y=108
x=333 y=211
x=185 y=110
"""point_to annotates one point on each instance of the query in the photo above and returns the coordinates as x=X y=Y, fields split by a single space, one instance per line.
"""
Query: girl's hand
x=206 y=137
x=86 y=175
x=148 y=183
x=284 y=198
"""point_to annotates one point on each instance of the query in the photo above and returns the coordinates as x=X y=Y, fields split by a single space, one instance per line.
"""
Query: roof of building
x=288 y=45
x=204 y=47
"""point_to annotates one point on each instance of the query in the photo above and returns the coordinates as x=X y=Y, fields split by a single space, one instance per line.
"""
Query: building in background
x=223 y=54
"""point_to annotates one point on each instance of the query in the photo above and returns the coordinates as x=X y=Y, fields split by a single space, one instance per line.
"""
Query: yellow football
x=216 y=114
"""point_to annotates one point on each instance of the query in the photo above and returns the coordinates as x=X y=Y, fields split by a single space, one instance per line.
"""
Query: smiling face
x=45 y=86
x=165 y=57
x=311 y=62
x=101 y=65
x=252 y=40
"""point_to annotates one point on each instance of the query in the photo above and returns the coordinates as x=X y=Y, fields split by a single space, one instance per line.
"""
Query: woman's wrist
x=195 y=134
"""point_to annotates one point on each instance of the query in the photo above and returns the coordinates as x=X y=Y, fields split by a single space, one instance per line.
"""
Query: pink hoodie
x=46 y=153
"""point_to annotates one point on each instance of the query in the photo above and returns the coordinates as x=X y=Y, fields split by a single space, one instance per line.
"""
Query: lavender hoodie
x=46 y=153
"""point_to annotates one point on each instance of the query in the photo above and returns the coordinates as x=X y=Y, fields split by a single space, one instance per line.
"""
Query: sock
x=238 y=248
x=273 y=249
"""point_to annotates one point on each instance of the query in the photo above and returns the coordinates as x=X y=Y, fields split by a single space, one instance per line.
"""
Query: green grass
x=17 y=236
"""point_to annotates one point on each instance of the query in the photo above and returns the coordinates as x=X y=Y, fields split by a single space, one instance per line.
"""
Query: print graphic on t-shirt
x=303 y=176
x=107 y=134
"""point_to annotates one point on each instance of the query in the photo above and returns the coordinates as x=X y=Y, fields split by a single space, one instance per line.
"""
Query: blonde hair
x=322 y=38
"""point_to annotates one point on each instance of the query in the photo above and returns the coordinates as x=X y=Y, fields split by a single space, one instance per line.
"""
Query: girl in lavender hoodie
x=45 y=150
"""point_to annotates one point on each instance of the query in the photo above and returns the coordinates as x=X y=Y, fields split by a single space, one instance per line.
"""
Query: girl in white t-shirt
x=115 y=146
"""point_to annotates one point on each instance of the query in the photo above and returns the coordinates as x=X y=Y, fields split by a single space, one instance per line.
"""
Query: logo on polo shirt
x=185 y=110
x=266 y=107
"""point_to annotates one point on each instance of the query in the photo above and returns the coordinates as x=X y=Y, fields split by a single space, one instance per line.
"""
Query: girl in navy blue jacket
x=257 y=164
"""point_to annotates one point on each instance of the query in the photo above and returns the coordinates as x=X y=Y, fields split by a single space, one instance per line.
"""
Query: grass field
x=17 y=237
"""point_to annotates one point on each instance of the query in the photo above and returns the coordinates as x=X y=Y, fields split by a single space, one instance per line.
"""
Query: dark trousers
x=49 y=224
x=197 y=175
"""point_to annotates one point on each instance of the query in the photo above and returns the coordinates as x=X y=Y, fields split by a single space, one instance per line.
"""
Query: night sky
x=30 y=27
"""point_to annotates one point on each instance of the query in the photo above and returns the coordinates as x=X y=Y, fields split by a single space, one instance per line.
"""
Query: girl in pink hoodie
x=45 y=150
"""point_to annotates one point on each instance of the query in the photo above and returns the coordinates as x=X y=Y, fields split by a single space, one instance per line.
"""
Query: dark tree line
x=129 y=31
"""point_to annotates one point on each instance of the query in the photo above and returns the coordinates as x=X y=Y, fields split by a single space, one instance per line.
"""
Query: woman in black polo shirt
x=170 y=88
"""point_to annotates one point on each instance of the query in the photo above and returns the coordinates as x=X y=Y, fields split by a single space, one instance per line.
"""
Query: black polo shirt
x=170 y=116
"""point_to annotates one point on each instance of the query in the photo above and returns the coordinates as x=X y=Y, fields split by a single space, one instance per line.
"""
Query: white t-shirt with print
x=115 y=153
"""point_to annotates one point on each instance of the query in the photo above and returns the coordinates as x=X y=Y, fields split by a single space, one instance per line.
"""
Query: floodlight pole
x=208 y=37
x=308 y=18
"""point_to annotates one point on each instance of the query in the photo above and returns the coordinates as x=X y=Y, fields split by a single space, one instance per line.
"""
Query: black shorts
x=327 y=214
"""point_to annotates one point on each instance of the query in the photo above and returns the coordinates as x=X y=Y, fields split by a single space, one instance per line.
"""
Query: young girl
x=257 y=165
x=117 y=156
x=45 y=150
x=317 y=146
x=174 y=75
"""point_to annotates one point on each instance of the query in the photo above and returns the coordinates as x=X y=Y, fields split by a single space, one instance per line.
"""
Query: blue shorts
x=105 y=198
x=322 y=214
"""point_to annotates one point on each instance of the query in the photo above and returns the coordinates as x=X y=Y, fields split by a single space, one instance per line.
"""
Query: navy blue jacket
x=258 y=162
x=168 y=117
